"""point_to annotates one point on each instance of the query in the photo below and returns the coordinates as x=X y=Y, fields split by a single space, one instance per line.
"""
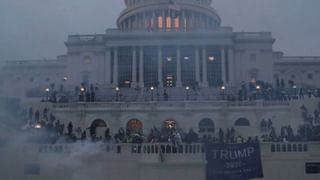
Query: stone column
x=134 y=67
x=107 y=67
x=163 y=20
x=197 y=64
x=115 y=66
x=141 y=70
x=192 y=21
x=204 y=68
x=143 y=21
x=181 y=21
x=172 y=13
x=223 y=65
x=160 y=74
x=231 y=68
x=129 y=24
x=178 y=83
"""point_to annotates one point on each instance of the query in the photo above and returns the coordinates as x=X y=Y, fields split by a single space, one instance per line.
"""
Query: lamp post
x=258 y=87
x=187 y=92
x=117 y=94
x=47 y=93
x=82 y=90
x=295 y=91
x=223 y=88
x=152 y=89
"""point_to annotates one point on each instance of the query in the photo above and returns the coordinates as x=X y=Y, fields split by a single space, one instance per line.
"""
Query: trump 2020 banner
x=233 y=161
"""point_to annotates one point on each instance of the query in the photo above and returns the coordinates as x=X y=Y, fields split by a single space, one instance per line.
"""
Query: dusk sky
x=37 y=29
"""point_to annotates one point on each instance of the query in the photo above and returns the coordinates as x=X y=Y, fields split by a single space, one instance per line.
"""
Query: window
x=206 y=125
x=253 y=57
x=176 y=23
x=170 y=124
x=313 y=168
x=168 y=22
x=125 y=66
x=242 y=122
x=134 y=125
x=87 y=60
x=310 y=76
x=160 y=22
x=293 y=76
x=32 y=169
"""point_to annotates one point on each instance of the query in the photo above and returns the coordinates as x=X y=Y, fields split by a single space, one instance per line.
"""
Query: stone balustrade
x=169 y=148
x=170 y=104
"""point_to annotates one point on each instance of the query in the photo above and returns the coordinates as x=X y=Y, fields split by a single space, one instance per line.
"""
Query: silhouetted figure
x=70 y=128
x=84 y=135
x=263 y=125
x=37 y=116
x=92 y=96
x=30 y=114
x=88 y=96
x=107 y=135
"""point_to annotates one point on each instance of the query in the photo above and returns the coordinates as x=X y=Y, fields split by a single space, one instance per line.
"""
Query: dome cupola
x=168 y=15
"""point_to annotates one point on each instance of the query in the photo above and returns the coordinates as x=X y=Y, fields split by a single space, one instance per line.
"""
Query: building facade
x=162 y=44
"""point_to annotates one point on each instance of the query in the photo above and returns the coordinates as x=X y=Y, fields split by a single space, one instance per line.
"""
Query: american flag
x=173 y=5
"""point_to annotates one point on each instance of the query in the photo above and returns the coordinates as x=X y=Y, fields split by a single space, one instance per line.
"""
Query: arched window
x=134 y=125
x=206 y=125
x=97 y=125
x=170 y=124
x=242 y=122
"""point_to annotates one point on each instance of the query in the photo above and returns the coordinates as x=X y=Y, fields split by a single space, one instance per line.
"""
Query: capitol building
x=168 y=64
x=164 y=44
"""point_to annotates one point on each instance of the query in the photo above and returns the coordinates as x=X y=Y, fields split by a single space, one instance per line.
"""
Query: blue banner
x=233 y=161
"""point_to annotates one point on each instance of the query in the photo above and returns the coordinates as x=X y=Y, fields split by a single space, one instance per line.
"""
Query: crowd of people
x=281 y=91
x=55 y=131
x=249 y=91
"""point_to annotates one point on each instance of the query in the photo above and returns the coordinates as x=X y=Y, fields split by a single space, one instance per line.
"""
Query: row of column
x=153 y=20
x=227 y=66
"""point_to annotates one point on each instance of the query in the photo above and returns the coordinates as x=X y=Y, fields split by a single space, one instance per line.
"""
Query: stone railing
x=146 y=148
x=301 y=58
x=166 y=148
x=175 y=31
x=170 y=104
x=253 y=35
x=267 y=148
x=91 y=38
x=288 y=147
x=32 y=62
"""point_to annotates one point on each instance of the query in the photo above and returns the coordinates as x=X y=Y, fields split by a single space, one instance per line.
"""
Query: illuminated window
x=169 y=81
x=176 y=22
x=170 y=124
x=160 y=22
x=134 y=125
x=168 y=22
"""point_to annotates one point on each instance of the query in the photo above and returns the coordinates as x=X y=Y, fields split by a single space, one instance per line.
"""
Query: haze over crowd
x=37 y=29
